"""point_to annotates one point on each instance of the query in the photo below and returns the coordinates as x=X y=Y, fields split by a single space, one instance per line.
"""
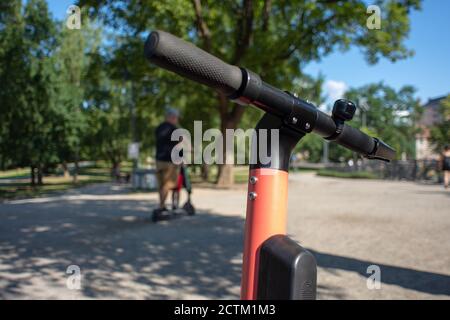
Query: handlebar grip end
x=382 y=151
x=151 y=44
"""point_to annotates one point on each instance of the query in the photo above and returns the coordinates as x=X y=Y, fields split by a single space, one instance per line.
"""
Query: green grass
x=21 y=188
x=348 y=175
x=14 y=173
x=51 y=184
x=95 y=171
x=240 y=175
x=303 y=170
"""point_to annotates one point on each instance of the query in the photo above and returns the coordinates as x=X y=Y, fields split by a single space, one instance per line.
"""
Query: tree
x=12 y=62
x=391 y=115
x=107 y=110
x=109 y=125
x=27 y=97
x=72 y=62
x=40 y=35
x=440 y=133
x=273 y=38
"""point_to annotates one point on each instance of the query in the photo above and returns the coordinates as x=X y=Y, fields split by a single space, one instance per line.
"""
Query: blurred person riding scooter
x=445 y=162
x=166 y=170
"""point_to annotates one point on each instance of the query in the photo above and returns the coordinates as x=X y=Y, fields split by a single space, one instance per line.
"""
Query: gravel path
x=402 y=227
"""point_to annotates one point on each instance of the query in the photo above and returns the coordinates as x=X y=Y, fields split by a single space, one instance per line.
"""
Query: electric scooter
x=183 y=181
x=274 y=266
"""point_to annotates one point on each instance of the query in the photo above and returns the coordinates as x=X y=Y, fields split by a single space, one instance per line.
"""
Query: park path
x=105 y=229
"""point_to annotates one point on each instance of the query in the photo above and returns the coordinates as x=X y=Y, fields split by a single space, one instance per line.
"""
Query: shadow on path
x=428 y=282
x=118 y=249
x=122 y=254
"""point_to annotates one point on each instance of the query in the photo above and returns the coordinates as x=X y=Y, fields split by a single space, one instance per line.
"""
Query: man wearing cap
x=166 y=170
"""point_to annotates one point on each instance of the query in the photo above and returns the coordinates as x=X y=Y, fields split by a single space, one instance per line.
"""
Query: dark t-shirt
x=446 y=163
x=164 y=144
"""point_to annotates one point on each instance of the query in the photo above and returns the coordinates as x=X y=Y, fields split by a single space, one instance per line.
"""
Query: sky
x=428 y=70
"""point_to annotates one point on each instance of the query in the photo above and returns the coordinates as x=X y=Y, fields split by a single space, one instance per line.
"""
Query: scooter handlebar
x=356 y=140
x=370 y=147
x=187 y=60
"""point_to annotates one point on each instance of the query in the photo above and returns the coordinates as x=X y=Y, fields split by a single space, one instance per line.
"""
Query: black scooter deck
x=170 y=214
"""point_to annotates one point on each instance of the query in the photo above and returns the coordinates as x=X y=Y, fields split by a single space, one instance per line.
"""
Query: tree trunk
x=76 y=167
x=115 y=171
x=204 y=171
x=355 y=162
x=40 y=181
x=65 y=170
x=33 y=175
x=75 y=171
x=229 y=120
x=225 y=177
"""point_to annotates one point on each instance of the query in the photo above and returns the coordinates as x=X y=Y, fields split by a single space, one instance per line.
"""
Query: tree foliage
x=68 y=95
x=440 y=133
x=273 y=38
x=42 y=68
x=27 y=97
x=391 y=115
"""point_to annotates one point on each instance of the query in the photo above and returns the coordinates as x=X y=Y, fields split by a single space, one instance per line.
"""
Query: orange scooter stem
x=266 y=217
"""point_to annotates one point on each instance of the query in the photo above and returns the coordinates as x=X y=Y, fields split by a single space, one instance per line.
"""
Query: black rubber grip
x=356 y=140
x=185 y=59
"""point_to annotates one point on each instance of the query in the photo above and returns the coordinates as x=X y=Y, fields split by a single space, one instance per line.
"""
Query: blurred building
x=429 y=118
